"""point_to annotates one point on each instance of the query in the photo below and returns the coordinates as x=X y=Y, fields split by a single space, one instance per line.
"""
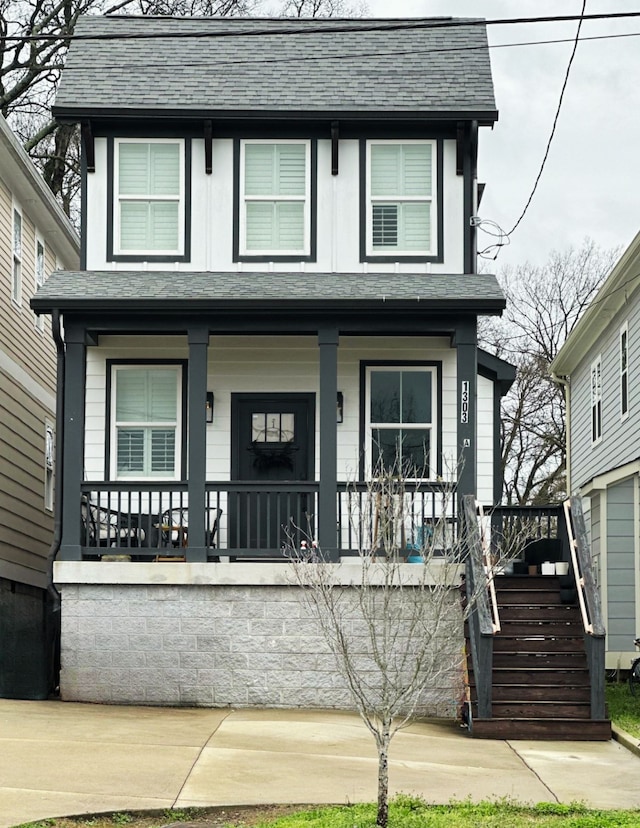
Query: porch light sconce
x=340 y=407
x=209 y=406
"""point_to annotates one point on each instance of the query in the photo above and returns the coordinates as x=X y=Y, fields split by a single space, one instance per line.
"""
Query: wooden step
x=540 y=710
x=527 y=582
x=530 y=597
x=545 y=675
x=555 y=612
x=519 y=693
x=535 y=660
x=536 y=644
x=553 y=629
x=542 y=728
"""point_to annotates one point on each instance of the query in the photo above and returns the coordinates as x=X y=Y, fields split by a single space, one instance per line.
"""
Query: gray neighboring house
x=600 y=362
x=278 y=289
x=35 y=239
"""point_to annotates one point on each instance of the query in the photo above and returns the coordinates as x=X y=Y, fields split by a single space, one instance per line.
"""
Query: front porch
x=249 y=520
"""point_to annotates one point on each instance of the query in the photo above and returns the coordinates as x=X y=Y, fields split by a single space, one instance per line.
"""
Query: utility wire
x=555 y=122
x=345 y=55
x=309 y=28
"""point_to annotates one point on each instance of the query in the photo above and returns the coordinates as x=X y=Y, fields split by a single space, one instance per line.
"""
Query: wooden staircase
x=540 y=677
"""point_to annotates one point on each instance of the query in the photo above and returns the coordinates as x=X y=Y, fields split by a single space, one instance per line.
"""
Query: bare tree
x=395 y=631
x=323 y=8
x=543 y=305
x=30 y=67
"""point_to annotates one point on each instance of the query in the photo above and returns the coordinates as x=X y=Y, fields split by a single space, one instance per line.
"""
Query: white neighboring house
x=278 y=290
x=35 y=238
x=600 y=362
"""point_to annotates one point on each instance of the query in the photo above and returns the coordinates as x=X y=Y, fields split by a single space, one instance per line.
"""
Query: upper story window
x=596 y=400
x=39 y=276
x=401 y=419
x=275 y=195
x=401 y=200
x=624 y=370
x=16 y=273
x=146 y=416
x=149 y=198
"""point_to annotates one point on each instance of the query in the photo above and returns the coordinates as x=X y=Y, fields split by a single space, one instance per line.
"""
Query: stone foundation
x=223 y=635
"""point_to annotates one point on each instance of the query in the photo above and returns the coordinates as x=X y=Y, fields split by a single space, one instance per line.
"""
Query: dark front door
x=272 y=450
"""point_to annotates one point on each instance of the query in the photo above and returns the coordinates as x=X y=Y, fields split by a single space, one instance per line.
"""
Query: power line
x=347 y=55
x=555 y=122
x=310 y=28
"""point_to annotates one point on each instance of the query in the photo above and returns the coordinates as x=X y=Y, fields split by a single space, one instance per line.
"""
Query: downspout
x=52 y=623
x=564 y=382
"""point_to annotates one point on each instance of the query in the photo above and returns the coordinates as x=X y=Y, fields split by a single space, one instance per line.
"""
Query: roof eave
x=71 y=114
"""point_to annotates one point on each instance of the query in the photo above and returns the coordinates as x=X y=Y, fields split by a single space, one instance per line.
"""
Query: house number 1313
x=464 y=401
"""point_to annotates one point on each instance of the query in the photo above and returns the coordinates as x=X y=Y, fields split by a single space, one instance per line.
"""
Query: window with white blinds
x=150 y=197
x=146 y=421
x=596 y=400
x=401 y=190
x=275 y=188
x=16 y=276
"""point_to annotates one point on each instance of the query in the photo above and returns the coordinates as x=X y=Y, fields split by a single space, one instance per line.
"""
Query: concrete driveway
x=60 y=758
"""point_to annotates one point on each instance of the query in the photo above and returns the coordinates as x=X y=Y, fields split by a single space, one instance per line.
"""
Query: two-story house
x=278 y=292
x=598 y=364
x=35 y=238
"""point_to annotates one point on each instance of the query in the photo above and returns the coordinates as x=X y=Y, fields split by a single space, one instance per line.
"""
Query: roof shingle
x=228 y=66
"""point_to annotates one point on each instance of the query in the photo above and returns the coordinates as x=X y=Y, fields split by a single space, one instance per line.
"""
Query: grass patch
x=624 y=709
x=404 y=812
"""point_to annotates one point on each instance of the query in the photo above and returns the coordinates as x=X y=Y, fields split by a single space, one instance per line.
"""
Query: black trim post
x=327 y=498
x=196 y=551
x=465 y=341
x=73 y=429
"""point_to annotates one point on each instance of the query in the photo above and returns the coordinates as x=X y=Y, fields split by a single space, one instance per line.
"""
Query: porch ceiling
x=138 y=291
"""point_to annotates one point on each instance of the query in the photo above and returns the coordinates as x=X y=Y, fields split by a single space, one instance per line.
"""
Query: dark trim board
x=313 y=218
x=438 y=257
x=147 y=257
x=420 y=363
x=109 y=365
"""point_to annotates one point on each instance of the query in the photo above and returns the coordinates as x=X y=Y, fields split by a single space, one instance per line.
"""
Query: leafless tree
x=395 y=630
x=543 y=305
x=30 y=67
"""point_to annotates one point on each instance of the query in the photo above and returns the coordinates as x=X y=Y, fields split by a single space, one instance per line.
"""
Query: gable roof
x=134 y=290
x=250 y=67
x=615 y=293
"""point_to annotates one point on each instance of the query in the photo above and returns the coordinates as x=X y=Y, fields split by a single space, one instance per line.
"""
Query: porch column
x=465 y=341
x=327 y=497
x=196 y=551
x=72 y=435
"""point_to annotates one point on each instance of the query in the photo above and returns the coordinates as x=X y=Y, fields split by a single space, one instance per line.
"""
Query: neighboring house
x=278 y=290
x=35 y=238
x=600 y=362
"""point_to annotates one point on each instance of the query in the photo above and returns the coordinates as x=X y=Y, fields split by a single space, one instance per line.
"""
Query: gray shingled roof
x=135 y=289
x=312 y=68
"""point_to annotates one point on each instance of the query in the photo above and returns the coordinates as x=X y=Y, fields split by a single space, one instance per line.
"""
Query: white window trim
x=432 y=427
x=624 y=372
x=306 y=199
x=39 y=279
x=113 y=427
x=17 y=260
x=596 y=401
x=431 y=199
x=117 y=199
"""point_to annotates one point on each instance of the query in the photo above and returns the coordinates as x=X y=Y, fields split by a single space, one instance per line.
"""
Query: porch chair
x=104 y=527
x=174 y=526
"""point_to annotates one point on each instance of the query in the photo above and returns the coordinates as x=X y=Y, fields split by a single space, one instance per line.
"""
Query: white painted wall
x=338 y=209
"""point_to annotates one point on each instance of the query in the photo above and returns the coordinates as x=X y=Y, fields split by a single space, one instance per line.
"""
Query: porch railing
x=257 y=520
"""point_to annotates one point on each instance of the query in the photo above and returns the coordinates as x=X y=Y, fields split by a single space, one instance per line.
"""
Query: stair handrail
x=489 y=568
x=478 y=617
x=588 y=595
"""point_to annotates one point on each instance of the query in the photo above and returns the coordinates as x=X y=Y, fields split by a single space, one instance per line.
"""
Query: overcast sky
x=591 y=183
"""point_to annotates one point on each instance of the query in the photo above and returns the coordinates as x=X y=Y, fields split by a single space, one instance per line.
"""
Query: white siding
x=259 y=364
x=485 y=441
x=337 y=211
